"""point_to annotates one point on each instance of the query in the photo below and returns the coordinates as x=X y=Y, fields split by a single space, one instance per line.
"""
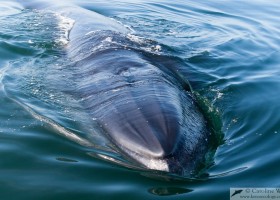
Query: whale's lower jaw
x=151 y=163
x=182 y=162
x=154 y=126
x=168 y=133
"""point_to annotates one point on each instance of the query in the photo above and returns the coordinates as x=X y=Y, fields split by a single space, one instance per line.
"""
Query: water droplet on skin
x=126 y=74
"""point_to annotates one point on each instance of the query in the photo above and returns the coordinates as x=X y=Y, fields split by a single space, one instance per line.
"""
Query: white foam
x=146 y=44
x=90 y=33
x=129 y=28
x=65 y=24
x=135 y=38
x=150 y=163
x=2 y=74
x=108 y=39
x=160 y=165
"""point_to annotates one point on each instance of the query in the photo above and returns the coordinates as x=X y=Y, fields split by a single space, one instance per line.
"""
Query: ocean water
x=227 y=50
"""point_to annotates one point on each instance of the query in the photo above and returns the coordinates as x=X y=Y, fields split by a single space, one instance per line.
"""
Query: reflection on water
x=228 y=51
x=66 y=160
x=168 y=191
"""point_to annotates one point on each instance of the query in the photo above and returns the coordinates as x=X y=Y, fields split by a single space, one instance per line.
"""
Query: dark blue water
x=227 y=50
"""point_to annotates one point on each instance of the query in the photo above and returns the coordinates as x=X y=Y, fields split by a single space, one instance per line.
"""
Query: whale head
x=146 y=113
x=149 y=117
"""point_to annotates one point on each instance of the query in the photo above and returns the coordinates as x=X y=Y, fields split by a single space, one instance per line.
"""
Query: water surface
x=227 y=50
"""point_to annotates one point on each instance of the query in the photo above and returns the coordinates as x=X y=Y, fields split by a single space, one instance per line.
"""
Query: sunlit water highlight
x=228 y=51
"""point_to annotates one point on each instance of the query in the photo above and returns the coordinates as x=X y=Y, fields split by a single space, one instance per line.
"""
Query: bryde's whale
x=144 y=108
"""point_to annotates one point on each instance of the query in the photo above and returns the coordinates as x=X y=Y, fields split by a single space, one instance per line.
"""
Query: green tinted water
x=229 y=52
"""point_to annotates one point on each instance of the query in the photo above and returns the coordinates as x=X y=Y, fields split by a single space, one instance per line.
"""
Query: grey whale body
x=139 y=103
